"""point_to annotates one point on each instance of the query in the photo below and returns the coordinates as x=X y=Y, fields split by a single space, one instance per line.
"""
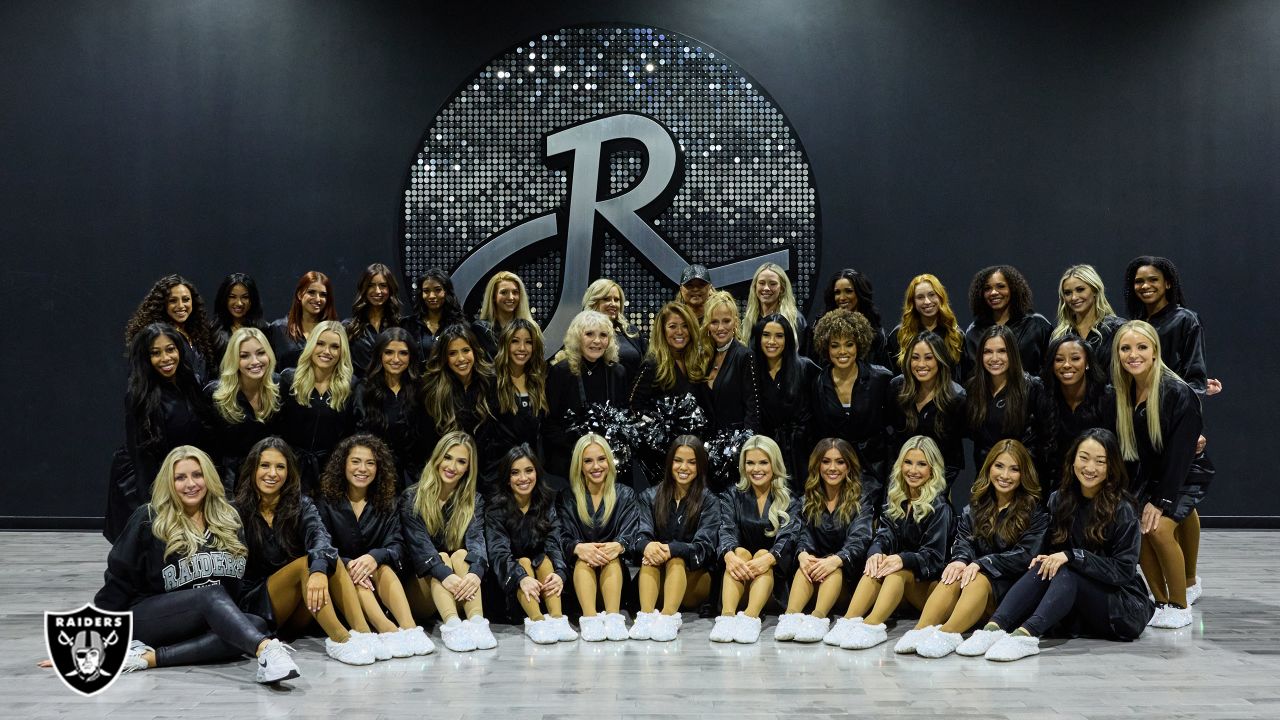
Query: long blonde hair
x=1124 y=384
x=786 y=302
x=898 y=494
x=426 y=503
x=779 y=492
x=579 y=485
x=224 y=397
x=697 y=353
x=947 y=327
x=1101 y=307
x=598 y=291
x=172 y=526
x=304 y=378
x=489 y=308
x=815 y=492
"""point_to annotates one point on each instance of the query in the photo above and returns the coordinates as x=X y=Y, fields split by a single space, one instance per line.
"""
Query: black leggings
x=198 y=625
x=1038 y=605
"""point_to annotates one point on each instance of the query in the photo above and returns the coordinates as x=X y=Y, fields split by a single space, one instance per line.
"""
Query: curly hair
x=359 y=323
x=154 y=308
x=861 y=289
x=1173 y=282
x=815 y=493
x=382 y=491
x=451 y=312
x=1103 y=509
x=1020 y=300
x=581 y=323
x=985 y=506
x=779 y=490
x=535 y=369
x=947 y=328
x=839 y=324
x=172 y=525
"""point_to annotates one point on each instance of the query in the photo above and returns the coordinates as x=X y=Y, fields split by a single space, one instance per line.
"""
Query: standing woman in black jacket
x=786 y=379
x=586 y=372
x=851 y=397
x=520 y=404
x=358 y=507
x=851 y=290
x=442 y=520
x=235 y=305
x=598 y=522
x=293 y=573
x=1083 y=310
x=733 y=395
x=678 y=359
x=522 y=532
x=312 y=304
x=1001 y=399
x=1153 y=292
x=245 y=396
x=164 y=408
x=771 y=294
x=389 y=405
x=676 y=541
x=1158 y=421
x=925 y=400
x=505 y=299
x=605 y=296
x=458 y=384
x=835 y=532
x=436 y=307
x=182 y=617
x=1086 y=577
x=759 y=525
x=999 y=533
x=906 y=557
x=1076 y=397
x=926 y=306
x=320 y=409
x=174 y=300
x=376 y=308
x=1000 y=295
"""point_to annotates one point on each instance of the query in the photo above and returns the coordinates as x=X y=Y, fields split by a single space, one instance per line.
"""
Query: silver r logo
x=628 y=214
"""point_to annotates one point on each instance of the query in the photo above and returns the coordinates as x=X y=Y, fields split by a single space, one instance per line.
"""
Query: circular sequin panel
x=676 y=154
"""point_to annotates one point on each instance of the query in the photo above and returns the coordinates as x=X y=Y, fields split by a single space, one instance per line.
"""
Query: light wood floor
x=1225 y=665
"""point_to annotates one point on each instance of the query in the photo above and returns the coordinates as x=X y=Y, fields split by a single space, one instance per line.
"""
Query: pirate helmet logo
x=88 y=646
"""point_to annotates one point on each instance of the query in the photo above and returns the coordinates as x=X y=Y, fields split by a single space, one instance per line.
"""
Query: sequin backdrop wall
x=745 y=189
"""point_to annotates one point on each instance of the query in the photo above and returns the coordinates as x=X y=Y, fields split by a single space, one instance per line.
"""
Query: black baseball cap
x=695 y=272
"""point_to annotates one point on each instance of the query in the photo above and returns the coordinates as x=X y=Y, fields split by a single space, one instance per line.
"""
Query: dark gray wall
x=140 y=138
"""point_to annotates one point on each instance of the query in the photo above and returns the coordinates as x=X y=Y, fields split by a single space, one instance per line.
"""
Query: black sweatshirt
x=1161 y=473
x=743 y=526
x=921 y=543
x=695 y=546
x=1002 y=562
x=375 y=533
x=510 y=538
x=423 y=550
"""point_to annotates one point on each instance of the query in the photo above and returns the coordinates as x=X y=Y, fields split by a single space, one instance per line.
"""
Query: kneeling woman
x=679 y=522
x=442 y=519
x=522 y=530
x=293 y=566
x=181 y=618
x=599 y=521
x=1088 y=582
x=835 y=532
x=358 y=506
x=759 y=522
x=999 y=533
x=906 y=557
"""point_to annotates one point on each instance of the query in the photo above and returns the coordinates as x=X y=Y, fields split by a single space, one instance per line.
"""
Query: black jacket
x=406 y=429
x=374 y=533
x=631 y=352
x=362 y=345
x=599 y=383
x=287 y=349
x=743 y=526
x=232 y=442
x=1182 y=344
x=269 y=556
x=848 y=541
x=137 y=567
x=921 y=543
x=948 y=431
x=788 y=418
x=423 y=550
x=696 y=546
x=733 y=402
x=621 y=527
x=1114 y=565
x=892 y=348
x=1161 y=473
x=1032 y=332
x=864 y=423
x=990 y=431
x=507 y=431
x=1061 y=426
x=1099 y=340
x=179 y=421
x=1002 y=562
x=646 y=391
x=312 y=430
x=511 y=538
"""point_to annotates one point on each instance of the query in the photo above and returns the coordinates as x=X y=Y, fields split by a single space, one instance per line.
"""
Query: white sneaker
x=1014 y=647
x=939 y=644
x=456 y=637
x=1194 y=592
x=840 y=632
x=665 y=628
x=642 y=628
x=864 y=636
x=478 y=629
x=615 y=626
x=540 y=631
x=417 y=640
x=747 y=629
x=351 y=652
x=908 y=643
x=811 y=629
x=274 y=663
x=371 y=641
x=396 y=643
x=133 y=660
x=788 y=623
x=725 y=628
x=563 y=630
x=1171 y=617
x=980 y=642
x=592 y=628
